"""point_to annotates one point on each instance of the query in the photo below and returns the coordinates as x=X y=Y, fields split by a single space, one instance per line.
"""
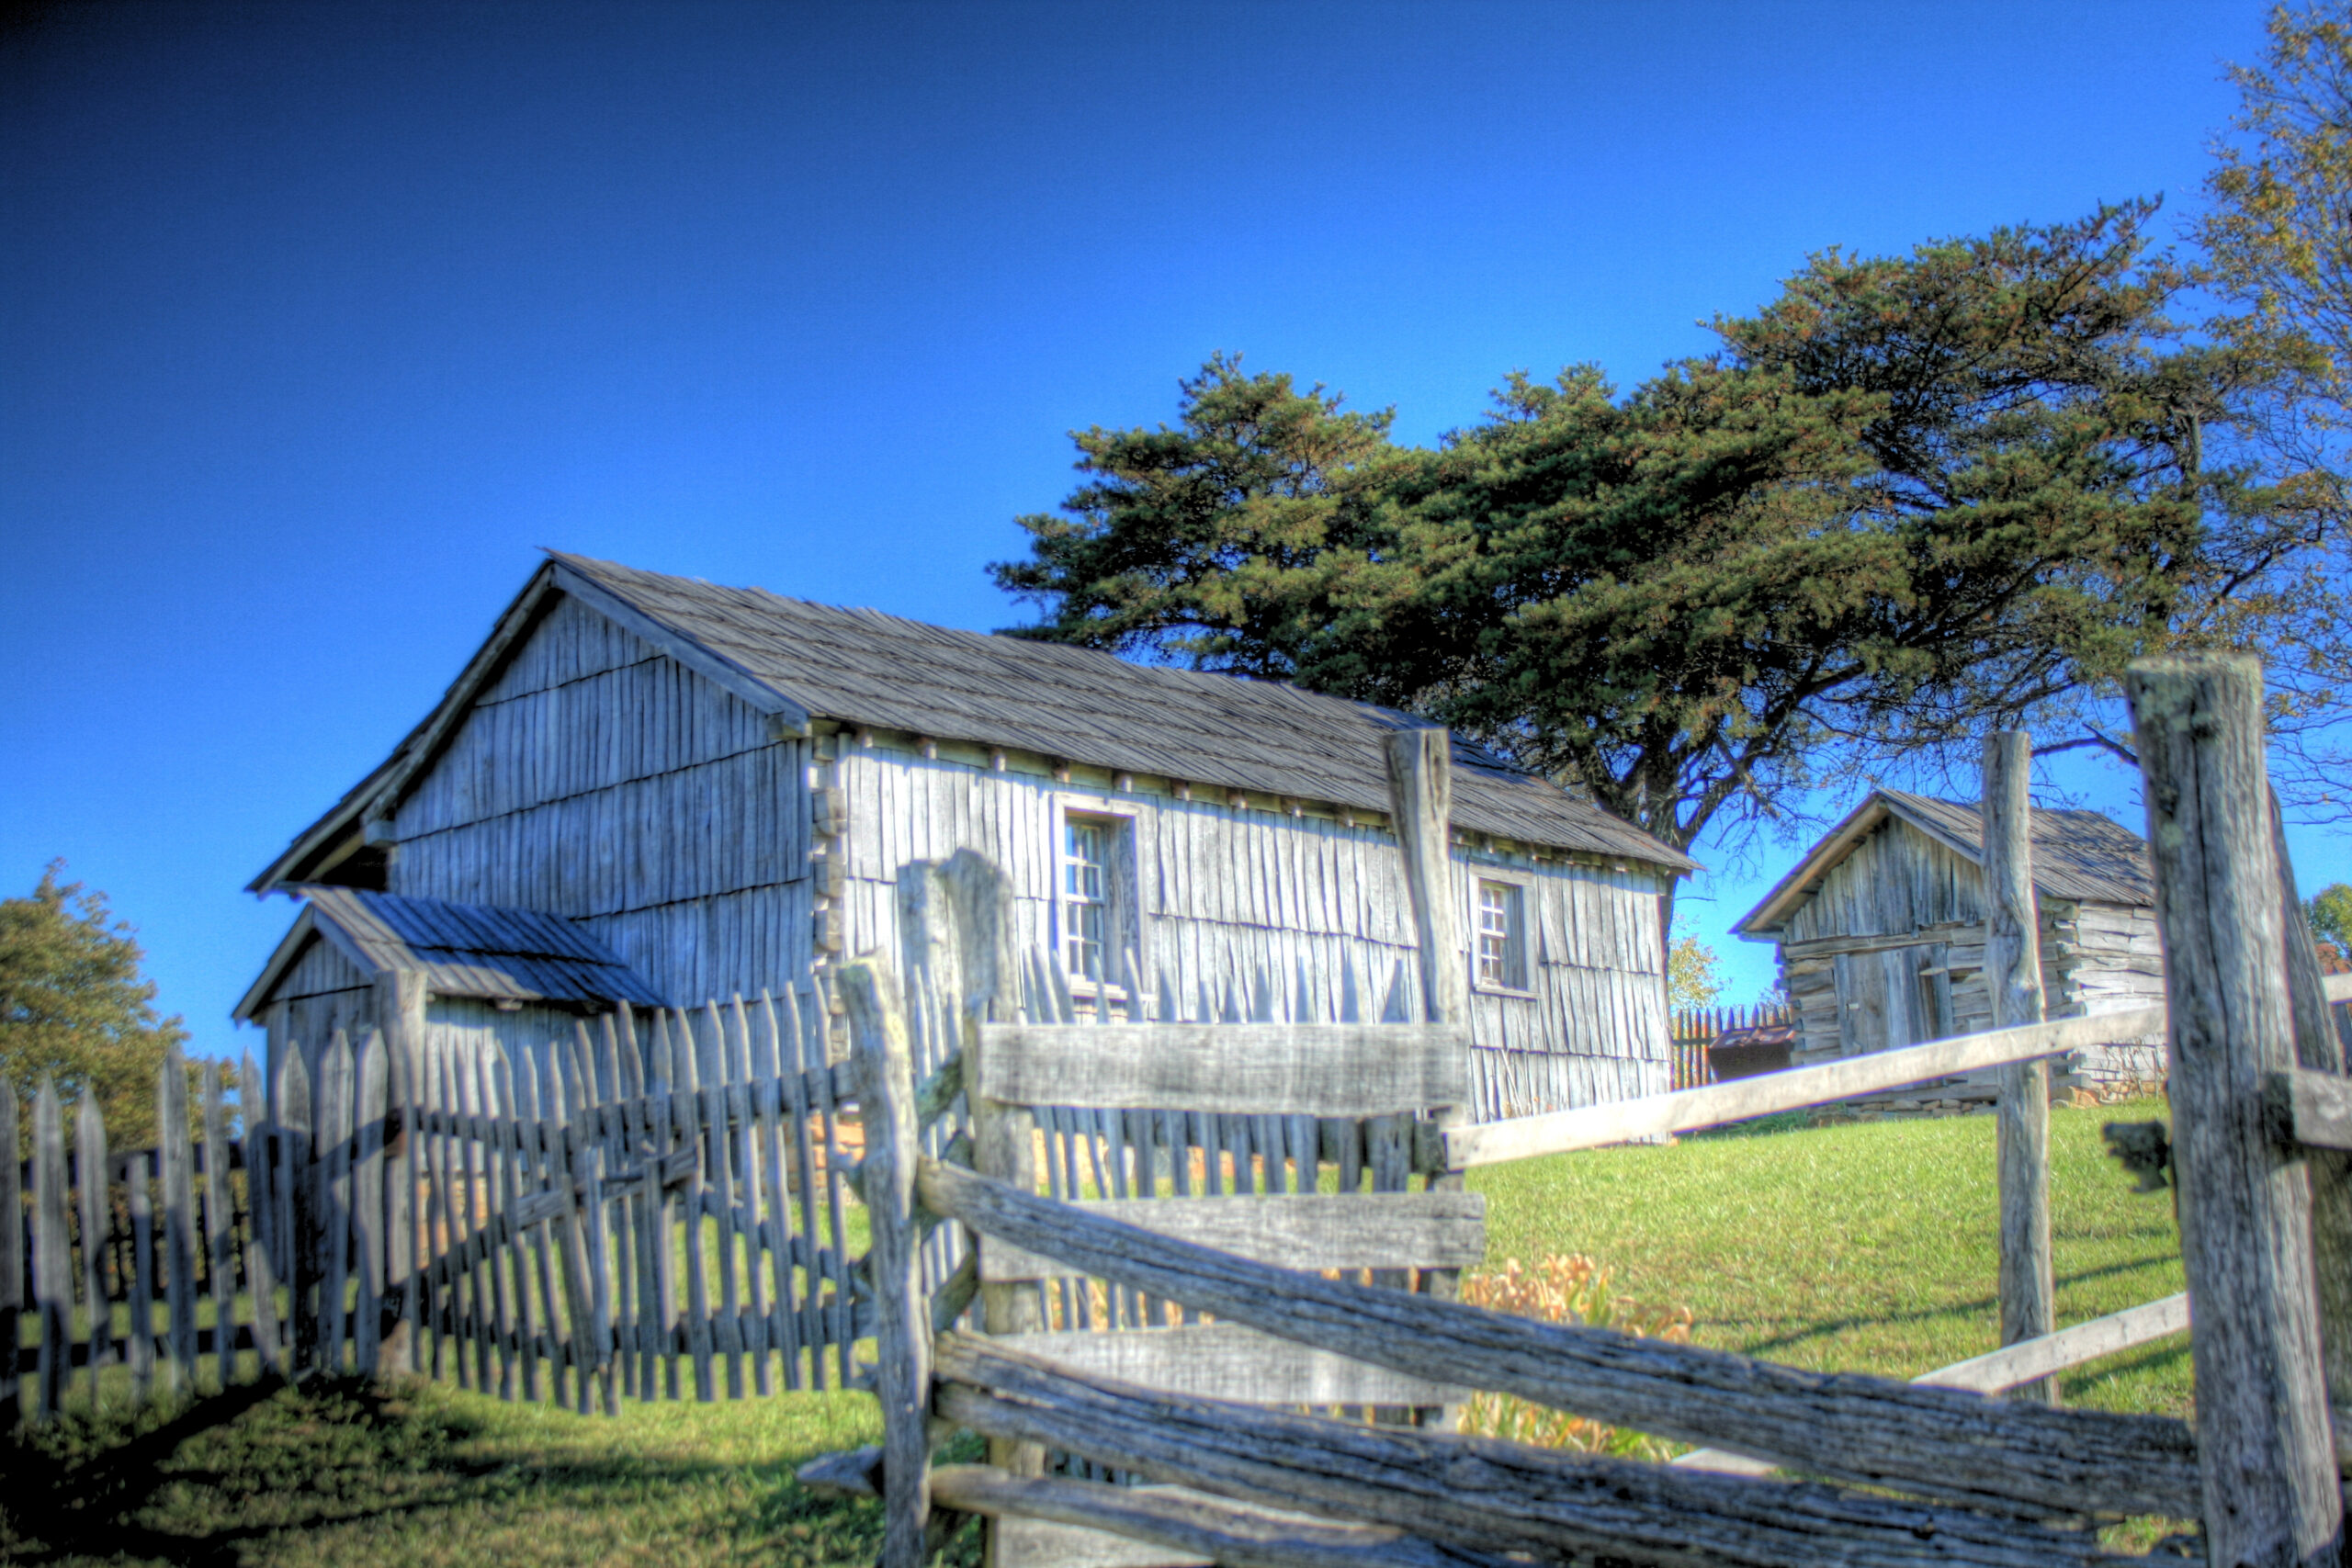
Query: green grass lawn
x=1865 y=1246
x=1868 y=1247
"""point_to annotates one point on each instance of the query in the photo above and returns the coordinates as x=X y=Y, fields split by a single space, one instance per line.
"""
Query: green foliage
x=1691 y=974
x=2277 y=234
x=1912 y=499
x=72 y=1006
x=2330 y=913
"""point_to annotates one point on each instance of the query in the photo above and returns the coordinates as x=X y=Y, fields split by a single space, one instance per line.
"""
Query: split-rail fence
x=1886 y=1471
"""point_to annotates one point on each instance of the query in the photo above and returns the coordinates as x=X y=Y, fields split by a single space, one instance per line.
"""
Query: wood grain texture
x=53 y=1256
x=218 y=1208
x=180 y=1237
x=97 y=1220
x=1938 y=1442
x=2013 y=976
x=2272 y=1496
x=902 y=1330
x=1594 y=1126
x=12 y=1248
x=2320 y=1036
x=1225 y=1360
x=1476 y=1494
x=1311 y=1230
x=1307 y=1069
x=1066 y=1523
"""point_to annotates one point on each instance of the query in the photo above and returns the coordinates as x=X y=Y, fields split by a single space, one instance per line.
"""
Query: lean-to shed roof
x=2083 y=855
x=462 y=950
x=797 y=660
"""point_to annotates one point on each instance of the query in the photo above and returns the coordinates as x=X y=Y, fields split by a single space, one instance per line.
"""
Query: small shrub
x=1567 y=1288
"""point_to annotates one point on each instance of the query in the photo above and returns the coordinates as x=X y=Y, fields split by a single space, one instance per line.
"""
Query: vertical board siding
x=599 y=780
x=1226 y=895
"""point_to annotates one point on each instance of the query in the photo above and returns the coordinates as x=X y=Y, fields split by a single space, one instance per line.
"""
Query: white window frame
x=1522 y=901
x=1128 y=854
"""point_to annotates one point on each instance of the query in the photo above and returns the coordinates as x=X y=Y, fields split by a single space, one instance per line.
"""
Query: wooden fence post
x=400 y=1013
x=2319 y=1046
x=53 y=1273
x=12 y=1252
x=178 y=1242
x=97 y=1219
x=2265 y=1455
x=1420 y=808
x=2013 y=976
x=902 y=1332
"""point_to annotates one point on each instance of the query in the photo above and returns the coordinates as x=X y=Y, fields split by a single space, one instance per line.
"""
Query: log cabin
x=647 y=787
x=1880 y=931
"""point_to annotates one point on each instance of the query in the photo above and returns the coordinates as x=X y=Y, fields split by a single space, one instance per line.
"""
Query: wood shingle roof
x=2083 y=855
x=866 y=667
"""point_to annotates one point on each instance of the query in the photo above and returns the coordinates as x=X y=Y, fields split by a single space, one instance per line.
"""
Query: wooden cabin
x=719 y=785
x=1881 y=931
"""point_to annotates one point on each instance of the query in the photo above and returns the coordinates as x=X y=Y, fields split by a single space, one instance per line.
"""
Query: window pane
x=1086 y=922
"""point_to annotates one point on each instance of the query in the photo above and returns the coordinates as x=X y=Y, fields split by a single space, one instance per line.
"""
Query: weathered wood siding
x=1899 y=882
x=320 y=992
x=1223 y=895
x=599 y=780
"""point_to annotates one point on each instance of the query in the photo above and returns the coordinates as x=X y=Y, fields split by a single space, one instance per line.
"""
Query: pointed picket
x=261 y=1274
x=52 y=1265
x=97 y=1220
x=180 y=1239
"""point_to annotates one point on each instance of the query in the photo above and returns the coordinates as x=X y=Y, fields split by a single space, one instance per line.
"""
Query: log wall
x=1898 y=883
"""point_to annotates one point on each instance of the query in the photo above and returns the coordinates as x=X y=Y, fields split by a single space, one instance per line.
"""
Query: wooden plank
x=586 y=1226
x=2320 y=1046
x=53 y=1266
x=1833 y=946
x=2010 y=1366
x=685 y=1092
x=1071 y=1524
x=180 y=1239
x=139 y=1200
x=2272 y=1494
x=2310 y=1108
x=1551 y=1505
x=1937 y=1442
x=1312 y=1231
x=12 y=1249
x=401 y=1012
x=750 y=1143
x=1307 y=1069
x=511 y=1180
x=2028 y=1289
x=621 y=1221
x=477 y=1089
x=1593 y=1126
x=219 y=1209
x=665 y=1299
x=1421 y=795
x=531 y=1144
x=441 y=1213
x=772 y=1064
x=902 y=1329
x=97 y=1219
x=1227 y=1360
x=292 y=1108
x=372 y=1083
x=714 y=1117
x=261 y=1208
x=333 y=1172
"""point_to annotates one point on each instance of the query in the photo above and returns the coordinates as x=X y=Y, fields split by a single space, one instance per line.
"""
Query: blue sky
x=316 y=321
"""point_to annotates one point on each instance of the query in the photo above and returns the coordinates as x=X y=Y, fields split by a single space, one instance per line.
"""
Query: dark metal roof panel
x=471 y=949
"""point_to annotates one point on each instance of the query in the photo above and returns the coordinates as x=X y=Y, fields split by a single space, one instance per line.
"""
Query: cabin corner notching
x=718 y=786
x=1880 y=931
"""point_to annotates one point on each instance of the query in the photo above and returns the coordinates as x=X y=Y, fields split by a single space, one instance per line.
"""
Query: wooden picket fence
x=1693 y=1029
x=651 y=1208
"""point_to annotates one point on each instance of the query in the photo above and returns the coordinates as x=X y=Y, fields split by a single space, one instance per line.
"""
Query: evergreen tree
x=1914 y=499
x=72 y=1005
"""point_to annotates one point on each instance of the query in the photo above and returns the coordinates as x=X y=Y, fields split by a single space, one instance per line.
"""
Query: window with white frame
x=1088 y=845
x=1503 y=934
